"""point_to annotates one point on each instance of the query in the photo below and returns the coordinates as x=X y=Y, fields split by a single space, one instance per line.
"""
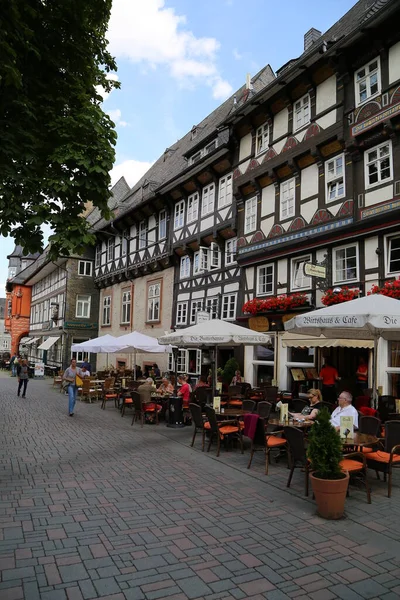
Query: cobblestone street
x=94 y=508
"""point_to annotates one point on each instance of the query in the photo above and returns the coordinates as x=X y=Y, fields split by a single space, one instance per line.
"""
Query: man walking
x=23 y=376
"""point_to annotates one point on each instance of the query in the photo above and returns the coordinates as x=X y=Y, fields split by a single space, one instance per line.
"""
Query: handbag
x=65 y=384
x=78 y=381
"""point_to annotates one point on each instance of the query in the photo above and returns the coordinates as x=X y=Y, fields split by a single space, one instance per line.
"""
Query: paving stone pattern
x=92 y=507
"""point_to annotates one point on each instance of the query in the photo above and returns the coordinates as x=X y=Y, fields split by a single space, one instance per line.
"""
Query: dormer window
x=203 y=152
x=193 y=133
x=210 y=147
x=262 y=139
x=196 y=157
x=301 y=112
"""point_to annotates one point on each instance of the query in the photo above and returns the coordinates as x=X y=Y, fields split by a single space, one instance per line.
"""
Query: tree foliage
x=57 y=144
x=324 y=447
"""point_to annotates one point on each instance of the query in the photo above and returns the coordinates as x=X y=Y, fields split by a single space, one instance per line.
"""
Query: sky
x=179 y=59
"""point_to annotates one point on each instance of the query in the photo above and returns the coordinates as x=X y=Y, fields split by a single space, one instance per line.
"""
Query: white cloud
x=148 y=32
x=132 y=170
x=237 y=55
x=115 y=115
x=221 y=89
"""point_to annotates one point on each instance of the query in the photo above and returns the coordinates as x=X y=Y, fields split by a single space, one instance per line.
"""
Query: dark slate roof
x=18 y=252
x=172 y=162
x=118 y=191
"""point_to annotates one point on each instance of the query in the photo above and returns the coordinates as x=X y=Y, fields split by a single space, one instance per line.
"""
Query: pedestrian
x=70 y=375
x=23 y=376
x=362 y=374
x=329 y=376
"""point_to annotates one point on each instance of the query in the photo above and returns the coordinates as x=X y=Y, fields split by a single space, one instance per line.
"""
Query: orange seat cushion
x=108 y=396
x=367 y=450
x=350 y=465
x=228 y=429
x=383 y=457
x=206 y=425
x=152 y=407
x=236 y=403
x=255 y=397
x=128 y=401
x=274 y=440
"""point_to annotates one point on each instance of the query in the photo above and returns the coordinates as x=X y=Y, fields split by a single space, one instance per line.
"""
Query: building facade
x=5 y=338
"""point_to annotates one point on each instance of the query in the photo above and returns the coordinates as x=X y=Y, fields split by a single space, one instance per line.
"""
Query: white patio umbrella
x=105 y=343
x=135 y=341
x=214 y=333
x=370 y=317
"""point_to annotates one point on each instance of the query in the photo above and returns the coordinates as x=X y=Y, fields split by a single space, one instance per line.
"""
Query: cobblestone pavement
x=92 y=507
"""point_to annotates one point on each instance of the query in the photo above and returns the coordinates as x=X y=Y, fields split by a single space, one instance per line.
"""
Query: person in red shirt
x=184 y=391
x=362 y=374
x=329 y=377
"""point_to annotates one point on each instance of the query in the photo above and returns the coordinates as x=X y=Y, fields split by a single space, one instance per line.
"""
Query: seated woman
x=237 y=379
x=166 y=387
x=310 y=412
x=202 y=382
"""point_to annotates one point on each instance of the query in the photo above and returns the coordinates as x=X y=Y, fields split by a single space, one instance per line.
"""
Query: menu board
x=39 y=369
x=347 y=427
x=312 y=373
x=298 y=374
x=217 y=404
x=284 y=412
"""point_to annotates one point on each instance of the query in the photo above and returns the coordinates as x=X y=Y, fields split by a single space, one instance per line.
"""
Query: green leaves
x=57 y=144
x=324 y=447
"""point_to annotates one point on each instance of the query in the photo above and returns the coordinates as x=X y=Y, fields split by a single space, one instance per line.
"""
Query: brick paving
x=91 y=507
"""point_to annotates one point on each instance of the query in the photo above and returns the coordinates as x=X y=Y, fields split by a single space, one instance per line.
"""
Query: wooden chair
x=297 y=454
x=356 y=465
x=222 y=430
x=127 y=402
x=109 y=393
x=235 y=396
x=248 y=405
x=265 y=442
x=198 y=422
x=271 y=394
x=58 y=378
x=138 y=413
x=264 y=409
x=386 y=405
x=87 y=391
x=385 y=459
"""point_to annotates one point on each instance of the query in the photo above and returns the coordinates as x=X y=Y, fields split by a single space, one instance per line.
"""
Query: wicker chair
x=222 y=430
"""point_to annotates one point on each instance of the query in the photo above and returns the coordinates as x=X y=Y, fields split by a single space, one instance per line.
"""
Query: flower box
x=330 y=297
x=390 y=288
x=275 y=304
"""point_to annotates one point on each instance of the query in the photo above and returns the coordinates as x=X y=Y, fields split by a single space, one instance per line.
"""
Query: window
x=287 y=199
x=185 y=267
x=98 y=256
x=378 y=164
x=83 y=307
x=250 y=215
x=229 y=307
x=110 y=249
x=193 y=208
x=230 y=251
x=106 y=320
x=85 y=268
x=181 y=363
x=200 y=261
x=345 y=261
x=265 y=280
x=367 y=81
x=212 y=306
x=334 y=178
x=79 y=356
x=262 y=138
x=124 y=243
x=225 y=191
x=162 y=225
x=181 y=313
x=210 y=147
x=126 y=307
x=153 y=301
x=142 y=234
x=179 y=215
x=301 y=112
x=207 y=202
x=196 y=157
x=215 y=256
x=194 y=309
x=393 y=255
x=299 y=280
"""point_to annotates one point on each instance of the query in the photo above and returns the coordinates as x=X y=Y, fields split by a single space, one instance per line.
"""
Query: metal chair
x=137 y=408
x=387 y=458
x=248 y=405
x=298 y=405
x=222 y=430
x=198 y=422
x=264 y=409
x=297 y=454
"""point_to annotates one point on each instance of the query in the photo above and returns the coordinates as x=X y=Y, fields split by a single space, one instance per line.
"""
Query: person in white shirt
x=345 y=409
x=85 y=372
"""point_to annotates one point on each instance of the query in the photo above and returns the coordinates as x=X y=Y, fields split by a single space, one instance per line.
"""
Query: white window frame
x=143 y=234
x=298 y=263
x=106 y=311
x=366 y=78
x=287 y=199
x=262 y=138
x=212 y=306
x=200 y=261
x=181 y=313
x=378 y=160
x=210 y=147
x=333 y=177
x=214 y=259
x=162 y=225
x=301 y=112
x=250 y=215
x=83 y=301
x=335 y=278
x=86 y=266
x=196 y=157
x=126 y=306
x=261 y=291
x=225 y=191
x=229 y=305
x=179 y=215
x=388 y=243
x=154 y=302
x=208 y=200
x=98 y=255
x=230 y=251
x=195 y=306
x=192 y=208
x=124 y=243
x=184 y=271
x=110 y=249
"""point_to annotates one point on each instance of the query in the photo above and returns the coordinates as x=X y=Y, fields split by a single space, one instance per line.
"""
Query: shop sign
x=375 y=119
x=201 y=316
x=39 y=369
x=311 y=270
x=288 y=316
x=259 y=324
x=79 y=325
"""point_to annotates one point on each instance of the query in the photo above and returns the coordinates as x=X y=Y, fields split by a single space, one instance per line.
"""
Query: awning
x=48 y=343
x=24 y=340
x=296 y=340
x=31 y=341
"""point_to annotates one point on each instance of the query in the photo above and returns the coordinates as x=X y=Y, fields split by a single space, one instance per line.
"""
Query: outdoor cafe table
x=291 y=423
x=359 y=440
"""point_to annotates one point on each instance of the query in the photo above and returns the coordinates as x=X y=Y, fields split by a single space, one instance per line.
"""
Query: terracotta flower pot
x=330 y=495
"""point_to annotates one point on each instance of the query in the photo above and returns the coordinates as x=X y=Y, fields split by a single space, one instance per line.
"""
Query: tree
x=57 y=144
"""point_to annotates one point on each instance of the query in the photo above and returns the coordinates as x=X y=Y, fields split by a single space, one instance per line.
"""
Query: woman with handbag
x=73 y=377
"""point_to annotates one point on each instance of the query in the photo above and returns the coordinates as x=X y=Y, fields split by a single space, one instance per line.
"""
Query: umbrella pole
x=374 y=374
x=134 y=365
x=214 y=379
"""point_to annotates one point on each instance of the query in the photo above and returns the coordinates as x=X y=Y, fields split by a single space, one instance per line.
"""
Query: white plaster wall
x=245 y=146
x=394 y=62
x=231 y=287
x=334 y=208
x=198 y=294
x=371 y=257
x=381 y=195
x=214 y=292
x=266 y=225
x=320 y=254
x=326 y=94
x=309 y=182
x=248 y=365
x=327 y=120
x=207 y=223
x=250 y=278
x=282 y=373
x=279 y=145
x=183 y=297
x=282 y=274
x=243 y=166
x=281 y=123
x=308 y=209
x=268 y=200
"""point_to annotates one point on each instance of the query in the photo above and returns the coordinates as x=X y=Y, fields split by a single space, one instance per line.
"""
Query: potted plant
x=231 y=366
x=343 y=294
x=328 y=481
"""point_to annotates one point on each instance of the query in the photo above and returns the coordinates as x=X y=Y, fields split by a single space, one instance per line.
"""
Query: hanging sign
x=311 y=270
x=259 y=324
x=201 y=316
